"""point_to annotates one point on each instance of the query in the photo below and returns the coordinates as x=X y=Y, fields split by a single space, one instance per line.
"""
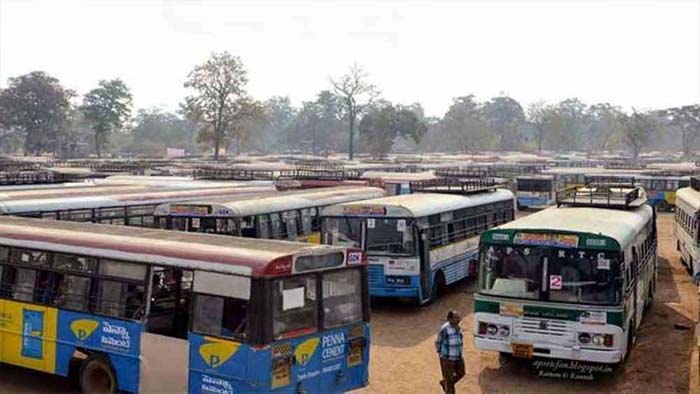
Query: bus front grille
x=552 y=328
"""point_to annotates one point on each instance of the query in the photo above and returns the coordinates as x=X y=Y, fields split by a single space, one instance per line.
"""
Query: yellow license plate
x=521 y=350
x=355 y=356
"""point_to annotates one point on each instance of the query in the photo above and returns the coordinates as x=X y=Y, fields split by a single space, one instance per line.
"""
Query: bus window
x=582 y=280
x=123 y=270
x=343 y=231
x=294 y=306
x=306 y=221
x=74 y=263
x=658 y=184
x=120 y=299
x=18 y=283
x=292 y=218
x=278 y=230
x=220 y=316
x=73 y=292
x=342 y=298
x=511 y=272
x=392 y=236
x=263 y=227
x=30 y=257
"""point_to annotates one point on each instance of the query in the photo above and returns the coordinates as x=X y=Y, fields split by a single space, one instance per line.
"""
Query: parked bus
x=133 y=209
x=661 y=189
x=288 y=215
x=535 y=191
x=136 y=310
x=569 y=282
x=417 y=243
x=686 y=227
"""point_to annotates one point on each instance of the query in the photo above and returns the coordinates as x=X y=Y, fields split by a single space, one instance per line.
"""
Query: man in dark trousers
x=449 y=345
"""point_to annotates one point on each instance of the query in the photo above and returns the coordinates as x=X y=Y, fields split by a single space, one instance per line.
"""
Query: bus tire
x=97 y=375
x=505 y=359
x=630 y=342
x=439 y=285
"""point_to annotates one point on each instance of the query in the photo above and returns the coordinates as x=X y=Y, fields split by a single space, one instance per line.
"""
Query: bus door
x=424 y=255
x=164 y=347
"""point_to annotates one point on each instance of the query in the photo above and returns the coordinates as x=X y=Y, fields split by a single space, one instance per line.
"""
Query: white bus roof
x=618 y=224
x=257 y=205
x=22 y=206
x=233 y=255
x=688 y=196
x=418 y=204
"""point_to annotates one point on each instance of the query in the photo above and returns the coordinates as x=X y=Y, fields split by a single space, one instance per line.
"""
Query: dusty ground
x=664 y=360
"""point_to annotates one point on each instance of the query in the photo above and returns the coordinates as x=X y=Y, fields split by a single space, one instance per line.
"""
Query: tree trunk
x=98 y=149
x=217 y=144
x=351 y=124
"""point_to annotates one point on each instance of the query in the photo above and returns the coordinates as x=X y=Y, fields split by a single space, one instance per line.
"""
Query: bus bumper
x=533 y=202
x=549 y=350
x=394 y=292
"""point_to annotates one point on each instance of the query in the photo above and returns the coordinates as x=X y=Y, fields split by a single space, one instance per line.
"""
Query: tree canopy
x=107 y=109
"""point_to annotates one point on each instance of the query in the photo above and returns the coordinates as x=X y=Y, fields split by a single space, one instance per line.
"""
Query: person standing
x=449 y=346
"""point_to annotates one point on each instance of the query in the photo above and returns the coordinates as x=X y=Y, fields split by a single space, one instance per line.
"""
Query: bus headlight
x=491 y=329
x=597 y=339
x=584 y=338
x=503 y=331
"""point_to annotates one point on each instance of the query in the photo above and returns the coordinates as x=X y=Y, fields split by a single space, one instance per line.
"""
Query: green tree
x=604 y=124
x=383 y=123
x=107 y=109
x=156 y=130
x=574 y=123
x=687 y=120
x=540 y=116
x=463 y=127
x=504 y=115
x=637 y=130
x=356 y=94
x=220 y=100
x=35 y=106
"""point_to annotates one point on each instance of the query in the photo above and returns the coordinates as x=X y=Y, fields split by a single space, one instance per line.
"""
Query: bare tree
x=687 y=119
x=637 y=131
x=539 y=115
x=356 y=94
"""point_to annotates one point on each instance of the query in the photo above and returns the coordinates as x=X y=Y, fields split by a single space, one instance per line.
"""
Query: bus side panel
x=454 y=259
x=119 y=339
x=221 y=366
x=28 y=335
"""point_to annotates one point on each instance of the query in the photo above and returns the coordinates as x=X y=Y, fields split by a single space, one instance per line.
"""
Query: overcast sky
x=644 y=54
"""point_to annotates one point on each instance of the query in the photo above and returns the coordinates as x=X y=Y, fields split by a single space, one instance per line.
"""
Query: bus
x=569 y=282
x=535 y=191
x=661 y=189
x=686 y=227
x=417 y=243
x=293 y=216
x=142 y=310
x=132 y=209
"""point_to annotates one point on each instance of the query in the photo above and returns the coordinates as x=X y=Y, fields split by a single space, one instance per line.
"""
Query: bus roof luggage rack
x=233 y=174
x=603 y=195
x=457 y=186
x=624 y=165
x=695 y=183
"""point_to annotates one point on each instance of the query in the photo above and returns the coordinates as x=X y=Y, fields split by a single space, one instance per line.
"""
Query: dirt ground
x=403 y=360
x=664 y=359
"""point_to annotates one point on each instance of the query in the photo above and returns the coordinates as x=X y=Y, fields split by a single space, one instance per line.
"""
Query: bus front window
x=343 y=231
x=390 y=236
x=511 y=271
x=589 y=277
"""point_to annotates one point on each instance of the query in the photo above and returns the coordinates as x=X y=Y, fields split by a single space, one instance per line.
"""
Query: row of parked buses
x=138 y=309
x=539 y=190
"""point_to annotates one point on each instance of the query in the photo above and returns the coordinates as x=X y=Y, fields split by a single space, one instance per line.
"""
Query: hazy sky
x=644 y=54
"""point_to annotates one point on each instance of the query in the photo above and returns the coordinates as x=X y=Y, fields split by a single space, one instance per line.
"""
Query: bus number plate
x=398 y=280
x=522 y=350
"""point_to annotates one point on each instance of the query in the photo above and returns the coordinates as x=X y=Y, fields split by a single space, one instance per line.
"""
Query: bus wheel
x=439 y=285
x=97 y=375
x=630 y=342
x=505 y=359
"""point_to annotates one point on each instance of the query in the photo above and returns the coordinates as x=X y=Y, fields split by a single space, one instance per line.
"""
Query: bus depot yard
x=179 y=282
x=403 y=360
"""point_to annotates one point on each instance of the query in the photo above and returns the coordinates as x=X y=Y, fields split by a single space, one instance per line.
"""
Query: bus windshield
x=343 y=231
x=571 y=275
x=390 y=236
x=534 y=185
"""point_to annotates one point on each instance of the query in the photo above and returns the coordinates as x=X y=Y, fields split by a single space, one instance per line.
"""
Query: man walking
x=449 y=345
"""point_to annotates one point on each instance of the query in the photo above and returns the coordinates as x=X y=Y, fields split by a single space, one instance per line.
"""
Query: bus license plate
x=398 y=280
x=355 y=353
x=521 y=350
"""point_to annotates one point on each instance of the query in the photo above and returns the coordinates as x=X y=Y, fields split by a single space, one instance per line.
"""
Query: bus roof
x=18 y=207
x=233 y=255
x=256 y=205
x=417 y=204
x=688 y=196
x=618 y=224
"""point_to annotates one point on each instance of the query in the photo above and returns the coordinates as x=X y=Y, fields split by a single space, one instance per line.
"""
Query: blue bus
x=129 y=309
x=417 y=243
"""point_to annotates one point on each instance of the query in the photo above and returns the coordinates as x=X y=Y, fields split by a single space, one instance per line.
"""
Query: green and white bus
x=569 y=282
